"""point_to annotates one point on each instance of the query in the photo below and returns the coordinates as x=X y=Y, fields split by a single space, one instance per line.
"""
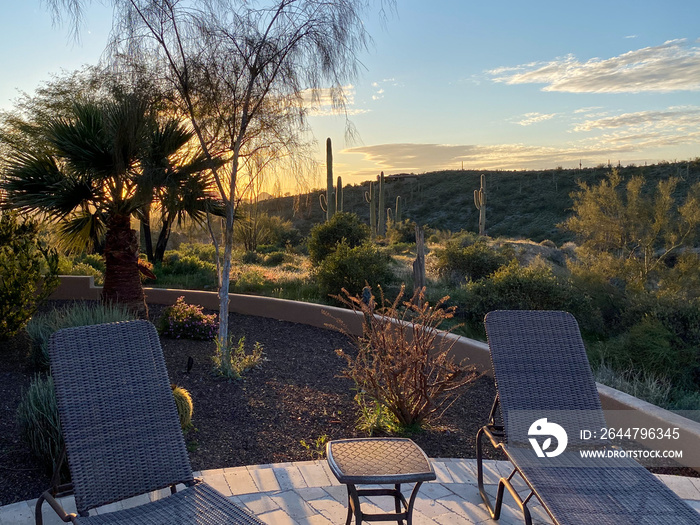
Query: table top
x=378 y=461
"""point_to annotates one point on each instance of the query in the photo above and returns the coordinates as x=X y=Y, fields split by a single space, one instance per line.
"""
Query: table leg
x=353 y=505
x=411 y=502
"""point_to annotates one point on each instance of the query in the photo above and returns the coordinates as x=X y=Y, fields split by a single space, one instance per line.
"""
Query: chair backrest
x=118 y=414
x=542 y=371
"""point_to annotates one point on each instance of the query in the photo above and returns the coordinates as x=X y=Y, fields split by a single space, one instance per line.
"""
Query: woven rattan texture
x=381 y=460
x=540 y=367
x=197 y=505
x=604 y=491
x=117 y=411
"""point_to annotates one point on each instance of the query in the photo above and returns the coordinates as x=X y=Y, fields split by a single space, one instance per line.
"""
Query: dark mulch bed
x=295 y=395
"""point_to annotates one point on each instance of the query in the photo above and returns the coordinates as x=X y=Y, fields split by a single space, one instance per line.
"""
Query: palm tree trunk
x=122 y=276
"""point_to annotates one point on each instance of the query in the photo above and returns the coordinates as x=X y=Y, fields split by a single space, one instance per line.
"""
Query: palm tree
x=87 y=182
x=175 y=179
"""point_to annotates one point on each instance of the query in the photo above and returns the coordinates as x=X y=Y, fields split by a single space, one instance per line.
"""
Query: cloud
x=419 y=158
x=672 y=66
x=677 y=118
x=331 y=101
x=534 y=118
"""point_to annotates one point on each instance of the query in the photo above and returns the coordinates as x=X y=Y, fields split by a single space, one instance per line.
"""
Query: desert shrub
x=80 y=268
x=342 y=228
x=42 y=326
x=473 y=262
x=204 y=252
x=250 y=257
x=401 y=232
x=185 y=408
x=39 y=423
x=28 y=272
x=351 y=268
x=648 y=347
x=238 y=361
x=176 y=264
x=187 y=321
x=274 y=259
x=400 y=363
x=514 y=287
x=249 y=281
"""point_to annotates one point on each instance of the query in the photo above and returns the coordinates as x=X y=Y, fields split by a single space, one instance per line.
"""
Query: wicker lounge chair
x=122 y=431
x=541 y=371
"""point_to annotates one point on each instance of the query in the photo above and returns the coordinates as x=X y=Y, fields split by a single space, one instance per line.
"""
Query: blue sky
x=505 y=85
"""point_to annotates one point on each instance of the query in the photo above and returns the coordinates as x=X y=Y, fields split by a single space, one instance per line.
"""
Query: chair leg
x=494 y=512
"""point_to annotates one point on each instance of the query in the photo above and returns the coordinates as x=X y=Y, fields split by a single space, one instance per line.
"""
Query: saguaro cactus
x=480 y=203
x=397 y=213
x=370 y=198
x=381 y=223
x=328 y=200
x=339 y=195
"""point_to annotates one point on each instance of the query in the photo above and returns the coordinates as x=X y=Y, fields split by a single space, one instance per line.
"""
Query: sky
x=448 y=84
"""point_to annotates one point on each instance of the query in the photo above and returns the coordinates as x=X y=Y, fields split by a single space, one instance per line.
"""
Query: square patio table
x=379 y=461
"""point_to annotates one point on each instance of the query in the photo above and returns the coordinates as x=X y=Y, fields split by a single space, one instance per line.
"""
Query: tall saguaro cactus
x=381 y=223
x=328 y=201
x=480 y=203
x=339 y=195
x=371 y=199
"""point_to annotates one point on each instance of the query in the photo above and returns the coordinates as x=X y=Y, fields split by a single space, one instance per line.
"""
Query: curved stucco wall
x=625 y=409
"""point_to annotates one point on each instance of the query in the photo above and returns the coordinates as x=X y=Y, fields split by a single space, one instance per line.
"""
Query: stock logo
x=542 y=427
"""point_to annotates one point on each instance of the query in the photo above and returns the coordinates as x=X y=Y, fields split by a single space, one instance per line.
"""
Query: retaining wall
x=627 y=411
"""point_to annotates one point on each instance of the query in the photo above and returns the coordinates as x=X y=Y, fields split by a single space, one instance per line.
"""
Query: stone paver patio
x=306 y=492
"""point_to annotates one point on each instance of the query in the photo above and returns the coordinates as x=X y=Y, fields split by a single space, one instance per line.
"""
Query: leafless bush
x=401 y=362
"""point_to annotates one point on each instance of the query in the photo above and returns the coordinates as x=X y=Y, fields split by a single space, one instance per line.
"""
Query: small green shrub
x=351 y=268
x=187 y=321
x=274 y=259
x=238 y=361
x=401 y=232
x=250 y=257
x=176 y=264
x=473 y=262
x=28 y=272
x=342 y=228
x=203 y=252
x=185 y=408
x=39 y=423
x=42 y=326
x=514 y=287
x=648 y=347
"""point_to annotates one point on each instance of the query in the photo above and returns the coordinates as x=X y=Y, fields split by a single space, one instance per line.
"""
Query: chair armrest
x=55 y=505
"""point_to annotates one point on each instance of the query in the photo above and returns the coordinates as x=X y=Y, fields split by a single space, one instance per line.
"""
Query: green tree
x=344 y=228
x=632 y=233
x=27 y=272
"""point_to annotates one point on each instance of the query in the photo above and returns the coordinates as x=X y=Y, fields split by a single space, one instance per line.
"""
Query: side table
x=379 y=461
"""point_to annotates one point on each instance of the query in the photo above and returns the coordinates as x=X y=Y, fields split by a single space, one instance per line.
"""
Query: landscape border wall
x=630 y=410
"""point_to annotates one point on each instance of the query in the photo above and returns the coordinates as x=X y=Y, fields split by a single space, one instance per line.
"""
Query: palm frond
x=83 y=230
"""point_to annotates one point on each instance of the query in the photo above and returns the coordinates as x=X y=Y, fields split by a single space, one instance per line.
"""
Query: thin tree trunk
x=122 y=276
x=163 y=238
x=223 y=291
x=146 y=228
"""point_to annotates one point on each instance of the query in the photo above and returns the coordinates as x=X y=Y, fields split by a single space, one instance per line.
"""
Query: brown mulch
x=295 y=395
